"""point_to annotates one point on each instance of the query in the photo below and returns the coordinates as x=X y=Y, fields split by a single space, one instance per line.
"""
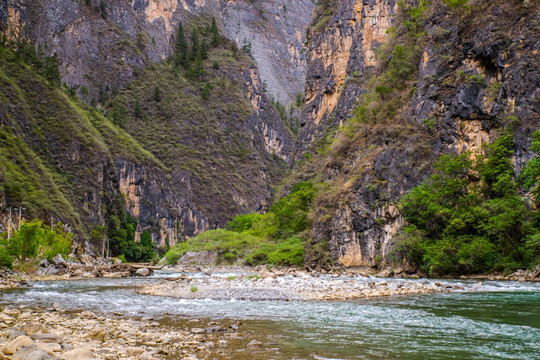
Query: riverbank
x=382 y=326
x=87 y=268
x=48 y=334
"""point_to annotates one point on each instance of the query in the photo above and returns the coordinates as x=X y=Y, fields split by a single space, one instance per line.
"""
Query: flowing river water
x=499 y=321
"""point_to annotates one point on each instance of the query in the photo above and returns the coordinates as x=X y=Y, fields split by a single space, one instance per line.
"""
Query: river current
x=500 y=320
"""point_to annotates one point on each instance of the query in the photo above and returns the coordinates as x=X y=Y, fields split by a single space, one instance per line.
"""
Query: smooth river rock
x=12 y=346
x=79 y=354
x=142 y=272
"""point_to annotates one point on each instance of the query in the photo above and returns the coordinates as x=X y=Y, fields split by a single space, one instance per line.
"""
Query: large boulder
x=20 y=341
x=58 y=260
x=142 y=272
x=97 y=335
x=79 y=354
x=32 y=352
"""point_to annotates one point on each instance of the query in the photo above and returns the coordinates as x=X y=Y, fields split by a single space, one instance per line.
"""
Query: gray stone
x=59 y=260
x=142 y=272
x=48 y=337
x=31 y=353
x=254 y=344
x=79 y=354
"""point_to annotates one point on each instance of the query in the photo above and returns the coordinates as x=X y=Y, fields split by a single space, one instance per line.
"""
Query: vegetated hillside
x=180 y=150
x=210 y=124
x=58 y=157
x=450 y=77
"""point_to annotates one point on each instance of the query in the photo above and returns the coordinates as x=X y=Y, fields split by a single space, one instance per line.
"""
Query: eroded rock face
x=478 y=74
x=103 y=49
x=339 y=53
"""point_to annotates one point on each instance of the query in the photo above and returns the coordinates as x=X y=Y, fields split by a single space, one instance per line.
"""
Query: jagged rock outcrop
x=103 y=46
x=478 y=76
x=342 y=45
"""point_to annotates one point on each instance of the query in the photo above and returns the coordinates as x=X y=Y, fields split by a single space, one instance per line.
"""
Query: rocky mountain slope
x=463 y=74
x=102 y=44
x=389 y=86
x=204 y=159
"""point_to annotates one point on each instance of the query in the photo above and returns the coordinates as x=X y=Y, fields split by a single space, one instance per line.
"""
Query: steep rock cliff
x=209 y=161
x=342 y=45
x=102 y=46
x=477 y=75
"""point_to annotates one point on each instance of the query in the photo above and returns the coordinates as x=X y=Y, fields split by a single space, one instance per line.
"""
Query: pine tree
x=195 y=48
x=157 y=94
x=137 y=111
x=197 y=70
x=205 y=95
x=204 y=50
x=216 y=39
x=181 y=48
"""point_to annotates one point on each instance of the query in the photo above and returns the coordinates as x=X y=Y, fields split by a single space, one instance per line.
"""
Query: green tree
x=25 y=242
x=157 y=94
x=137 y=110
x=459 y=224
x=195 y=46
x=197 y=71
x=119 y=113
x=6 y=261
x=531 y=175
x=214 y=31
x=50 y=69
x=205 y=94
x=181 y=48
x=204 y=50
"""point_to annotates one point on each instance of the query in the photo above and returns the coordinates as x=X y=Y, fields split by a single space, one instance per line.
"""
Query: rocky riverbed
x=291 y=285
x=49 y=334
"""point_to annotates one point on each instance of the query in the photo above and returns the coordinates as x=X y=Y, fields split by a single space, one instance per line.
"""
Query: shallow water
x=499 y=321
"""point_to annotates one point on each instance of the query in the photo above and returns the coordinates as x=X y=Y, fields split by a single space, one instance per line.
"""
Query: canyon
x=184 y=168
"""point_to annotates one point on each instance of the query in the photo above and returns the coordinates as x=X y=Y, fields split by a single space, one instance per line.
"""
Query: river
x=501 y=321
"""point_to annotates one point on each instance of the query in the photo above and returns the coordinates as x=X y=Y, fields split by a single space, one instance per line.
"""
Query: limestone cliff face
x=106 y=48
x=340 y=50
x=478 y=76
x=103 y=48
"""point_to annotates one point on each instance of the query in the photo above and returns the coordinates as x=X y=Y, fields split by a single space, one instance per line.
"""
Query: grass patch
x=273 y=238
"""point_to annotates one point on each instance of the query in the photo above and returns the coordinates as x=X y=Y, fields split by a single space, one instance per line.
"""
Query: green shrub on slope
x=459 y=224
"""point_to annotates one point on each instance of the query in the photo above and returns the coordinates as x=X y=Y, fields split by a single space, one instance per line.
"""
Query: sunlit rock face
x=447 y=111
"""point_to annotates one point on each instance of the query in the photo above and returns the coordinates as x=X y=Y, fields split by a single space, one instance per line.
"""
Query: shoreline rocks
x=48 y=334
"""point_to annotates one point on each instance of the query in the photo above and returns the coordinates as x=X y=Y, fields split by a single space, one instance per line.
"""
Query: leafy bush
x=459 y=225
x=6 y=260
x=172 y=257
x=456 y=3
x=25 y=242
x=531 y=175
x=56 y=242
x=34 y=238
x=289 y=252
x=122 y=240
x=272 y=238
